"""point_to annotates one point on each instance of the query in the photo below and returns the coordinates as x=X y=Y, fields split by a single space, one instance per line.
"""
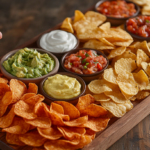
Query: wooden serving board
x=117 y=127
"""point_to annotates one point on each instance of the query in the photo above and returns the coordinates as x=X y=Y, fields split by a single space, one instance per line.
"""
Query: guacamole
x=62 y=87
x=29 y=63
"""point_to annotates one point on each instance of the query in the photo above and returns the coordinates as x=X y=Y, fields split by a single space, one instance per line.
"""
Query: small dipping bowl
x=86 y=77
x=28 y=80
x=59 y=54
x=135 y=36
x=114 y=20
x=49 y=99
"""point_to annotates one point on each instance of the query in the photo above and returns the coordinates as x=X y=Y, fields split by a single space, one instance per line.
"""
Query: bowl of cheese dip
x=58 y=42
x=62 y=86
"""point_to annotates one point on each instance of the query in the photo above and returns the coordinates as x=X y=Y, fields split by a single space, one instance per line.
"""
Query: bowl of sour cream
x=58 y=42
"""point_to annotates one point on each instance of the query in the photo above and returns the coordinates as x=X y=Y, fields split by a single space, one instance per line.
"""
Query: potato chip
x=34 y=99
x=51 y=133
x=78 y=16
x=18 y=89
x=118 y=110
x=116 y=52
x=69 y=109
x=139 y=2
x=142 y=94
x=90 y=133
x=127 y=83
x=58 y=109
x=146 y=67
x=100 y=86
x=95 y=44
x=125 y=64
x=101 y=97
x=3 y=80
x=71 y=133
x=95 y=17
x=84 y=101
x=18 y=126
x=32 y=88
x=87 y=91
x=126 y=54
x=142 y=79
x=67 y=25
x=94 y=110
x=96 y=124
x=13 y=139
x=7 y=120
x=141 y=57
x=103 y=40
x=116 y=96
x=4 y=102
x=32 y=138
x=24 y=110
x=110 y=75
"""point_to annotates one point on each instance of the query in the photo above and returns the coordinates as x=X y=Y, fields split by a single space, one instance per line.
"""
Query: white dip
x=58 y=41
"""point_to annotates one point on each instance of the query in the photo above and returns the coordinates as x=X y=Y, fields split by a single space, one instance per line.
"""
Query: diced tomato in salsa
x=85 y=62
x=139 y=25
x=118 y=8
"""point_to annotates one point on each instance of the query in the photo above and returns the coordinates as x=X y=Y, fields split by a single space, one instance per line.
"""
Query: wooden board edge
x=120 y=127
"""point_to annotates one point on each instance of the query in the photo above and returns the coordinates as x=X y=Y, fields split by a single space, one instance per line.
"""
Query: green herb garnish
x=85 y=67
x=79 y=56
x=83 y=61
x=87 y=55
x=70 y=63
x=96 y=62
x=87 y=64
x=147 y=21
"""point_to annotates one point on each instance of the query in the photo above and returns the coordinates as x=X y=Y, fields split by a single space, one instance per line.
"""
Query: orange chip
x=32 y=88
x=34 y=99
x=32 y=138
x=24 y=110
x=69 y=109
x=6 y=100
x=84 y=101
x=26 y=96
x=6 y=120
x=38 y=149
x=71 y=133
x=58 y=109
x=18 y=88
x=96 y=124
x=1 y=74
x=94 y=110
x=90 y=133
x=3 y=88
x=51 y=133
x=18 y=126
x=13 y=139
x=3 y=80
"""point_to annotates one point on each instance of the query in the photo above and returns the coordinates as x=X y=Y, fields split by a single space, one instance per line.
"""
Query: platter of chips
x=114 y=102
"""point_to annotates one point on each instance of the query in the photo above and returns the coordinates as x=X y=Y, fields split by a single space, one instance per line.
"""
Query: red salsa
x=139 y=25
x=85 y=62
x=118 y=9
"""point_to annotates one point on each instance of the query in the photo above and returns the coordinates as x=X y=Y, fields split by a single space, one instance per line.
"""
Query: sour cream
x=58 y=41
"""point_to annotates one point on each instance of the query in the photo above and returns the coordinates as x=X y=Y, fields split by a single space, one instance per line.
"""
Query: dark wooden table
x=21 y=20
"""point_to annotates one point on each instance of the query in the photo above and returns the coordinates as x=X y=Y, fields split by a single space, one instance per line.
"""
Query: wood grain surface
x=21 y=20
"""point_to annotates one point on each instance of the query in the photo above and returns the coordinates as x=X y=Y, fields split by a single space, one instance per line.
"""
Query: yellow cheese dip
x=62 y=87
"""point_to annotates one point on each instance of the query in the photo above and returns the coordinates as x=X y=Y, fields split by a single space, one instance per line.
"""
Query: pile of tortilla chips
x=29 y=121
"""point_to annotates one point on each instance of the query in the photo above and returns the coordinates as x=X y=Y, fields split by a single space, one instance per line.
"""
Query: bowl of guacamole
x=29 y=64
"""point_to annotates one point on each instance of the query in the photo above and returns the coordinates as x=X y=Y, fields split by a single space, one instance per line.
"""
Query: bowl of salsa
x=85 y=62
x=139 y=27
x=117 y=11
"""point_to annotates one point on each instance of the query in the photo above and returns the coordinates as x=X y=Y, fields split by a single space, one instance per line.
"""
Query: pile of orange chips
x=29 y=121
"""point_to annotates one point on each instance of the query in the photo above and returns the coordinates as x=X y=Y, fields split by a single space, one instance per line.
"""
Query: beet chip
x=69 y=109
x=71 y=133
x=94 y=110
x=3 y=80
x=4 y=102
x=7 y=120
x=96 y=124
x=51 y=133
x=58 y=109
x=84 y=101
x=24 y=110
x=32 y=88
x=13 y=139
x=32 y=138
x=18 y=89
x=18 y=126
